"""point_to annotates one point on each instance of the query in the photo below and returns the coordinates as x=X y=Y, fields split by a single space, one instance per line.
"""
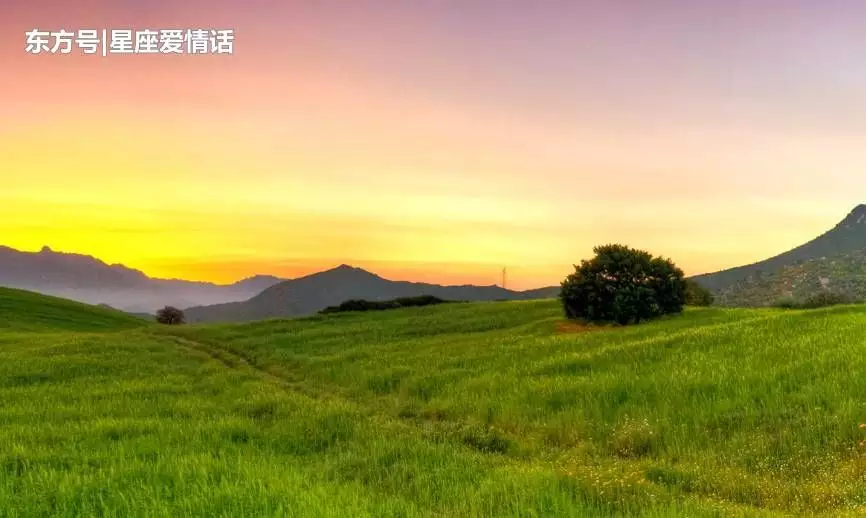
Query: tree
x=623 y=285
x=697 y=295
x=170 y=316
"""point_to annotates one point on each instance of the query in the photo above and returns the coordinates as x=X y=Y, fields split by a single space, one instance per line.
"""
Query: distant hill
x=548 y=292
x=835 y=260
x=307 y=295
x=145 y=316
x=87 y=279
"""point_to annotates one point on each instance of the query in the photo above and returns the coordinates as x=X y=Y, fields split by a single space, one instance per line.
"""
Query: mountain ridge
x=85 y=278
x=782 y=275
x=311 y=293
x=833 y=260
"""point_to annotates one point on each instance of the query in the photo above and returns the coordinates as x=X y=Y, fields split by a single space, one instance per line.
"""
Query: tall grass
x=488 y=409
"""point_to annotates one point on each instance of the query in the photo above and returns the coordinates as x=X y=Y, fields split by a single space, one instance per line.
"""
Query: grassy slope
x=27 y=311
x=456 y=410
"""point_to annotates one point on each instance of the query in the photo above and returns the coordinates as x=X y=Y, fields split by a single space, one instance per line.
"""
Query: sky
x=434 y=140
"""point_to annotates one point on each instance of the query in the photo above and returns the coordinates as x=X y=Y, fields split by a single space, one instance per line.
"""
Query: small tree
x=697 y=295
x=623 y=285
x=171 y=316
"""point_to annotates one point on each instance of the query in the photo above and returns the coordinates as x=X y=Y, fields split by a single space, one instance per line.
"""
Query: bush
x=818 y=300
x=360 y=305
x=697 y=295
x=827 y=298
x=623 y=285
x=420 y=300
x=170 y=316
x=379 y=305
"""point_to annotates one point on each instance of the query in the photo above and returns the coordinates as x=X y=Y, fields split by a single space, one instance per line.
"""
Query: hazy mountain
x=87 y=279
x=307 y=295
x=257 y=283
x=834 y=261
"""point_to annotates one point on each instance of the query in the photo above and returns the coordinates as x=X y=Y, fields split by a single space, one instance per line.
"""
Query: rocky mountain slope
x=834 y=261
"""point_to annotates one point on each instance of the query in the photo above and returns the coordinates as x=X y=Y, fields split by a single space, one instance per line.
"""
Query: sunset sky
x=435 y=140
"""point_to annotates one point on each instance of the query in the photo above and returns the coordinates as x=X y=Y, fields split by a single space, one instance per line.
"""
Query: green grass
x=27 y=311
x=486 y=409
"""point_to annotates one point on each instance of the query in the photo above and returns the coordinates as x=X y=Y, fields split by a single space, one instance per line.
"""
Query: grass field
x=488 y=409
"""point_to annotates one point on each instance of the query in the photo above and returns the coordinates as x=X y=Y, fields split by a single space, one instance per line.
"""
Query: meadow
x=455 y=410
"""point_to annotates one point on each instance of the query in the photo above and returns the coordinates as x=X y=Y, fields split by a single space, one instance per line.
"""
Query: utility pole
x=503 y=278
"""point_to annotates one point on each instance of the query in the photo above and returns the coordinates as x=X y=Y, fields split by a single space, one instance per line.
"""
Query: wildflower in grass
x=633 y=438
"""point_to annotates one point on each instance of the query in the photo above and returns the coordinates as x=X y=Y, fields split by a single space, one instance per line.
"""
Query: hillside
x=844 y=273
x=87 y=279
x=548 y=292
x=460 y=410
x=848 y=236
x=312 y=293
x=27 y=311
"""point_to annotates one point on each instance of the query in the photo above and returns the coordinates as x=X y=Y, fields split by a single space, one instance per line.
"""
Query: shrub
x=420 y=300
x=379 y=305
x=697 y=295
x=360 y=305
x=826 y=298
x=170 y=315
x=623 y=285
x=818 y=300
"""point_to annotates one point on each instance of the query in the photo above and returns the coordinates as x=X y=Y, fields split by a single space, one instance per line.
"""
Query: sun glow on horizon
x=519 y=140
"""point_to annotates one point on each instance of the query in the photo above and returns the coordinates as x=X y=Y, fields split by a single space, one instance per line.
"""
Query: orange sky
x=433 y=143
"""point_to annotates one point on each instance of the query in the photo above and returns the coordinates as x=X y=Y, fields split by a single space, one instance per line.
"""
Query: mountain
x=87 y=279
x=843 y=273
x=307 y=295
x=835 y=260
x=257 y=283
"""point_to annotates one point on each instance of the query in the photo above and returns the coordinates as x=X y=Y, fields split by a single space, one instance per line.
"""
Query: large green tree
x=624 y=285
